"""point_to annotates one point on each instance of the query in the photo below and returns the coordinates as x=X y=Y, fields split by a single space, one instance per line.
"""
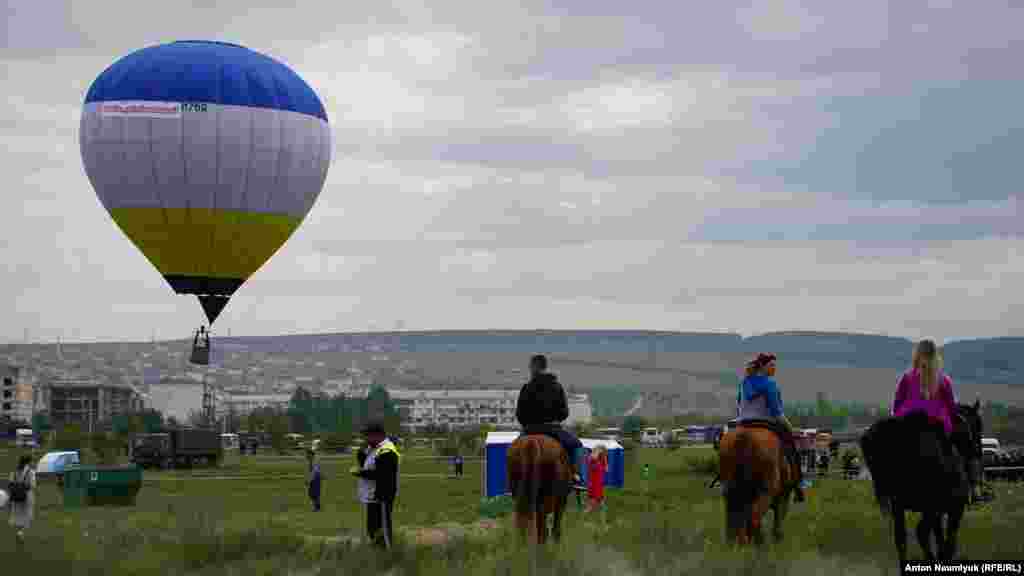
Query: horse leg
x=939 y=534
x=757 y=512
x=924 y=534
x=523 y=527
x=556 y=523
x=781 y=508
x=542 y=524
x=899 y=527
x=949 y=550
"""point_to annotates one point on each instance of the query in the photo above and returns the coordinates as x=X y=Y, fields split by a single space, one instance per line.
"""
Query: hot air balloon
x=208 y=156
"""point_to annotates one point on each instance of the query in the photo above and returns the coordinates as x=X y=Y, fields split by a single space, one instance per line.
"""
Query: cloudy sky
x=582 y=164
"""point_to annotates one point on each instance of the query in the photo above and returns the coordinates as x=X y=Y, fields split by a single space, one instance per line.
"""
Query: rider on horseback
x=543 y=406
x=924 y=388
x=760 y=400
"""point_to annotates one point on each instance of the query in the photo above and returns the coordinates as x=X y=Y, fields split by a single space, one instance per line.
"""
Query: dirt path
x=425 y=536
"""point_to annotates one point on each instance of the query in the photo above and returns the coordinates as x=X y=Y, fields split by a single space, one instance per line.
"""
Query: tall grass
x=669 y=523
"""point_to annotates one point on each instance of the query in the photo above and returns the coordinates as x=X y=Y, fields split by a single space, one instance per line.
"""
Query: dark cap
x=373 y=428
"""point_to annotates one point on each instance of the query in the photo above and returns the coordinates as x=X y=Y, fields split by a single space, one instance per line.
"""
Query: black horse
x=911 y=471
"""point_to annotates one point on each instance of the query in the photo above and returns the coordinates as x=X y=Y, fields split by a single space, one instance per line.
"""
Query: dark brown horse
x=755 y=477
x=539 y=477
x=909 y=471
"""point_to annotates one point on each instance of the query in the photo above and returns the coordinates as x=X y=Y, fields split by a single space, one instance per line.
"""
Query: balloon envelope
x=208 y=156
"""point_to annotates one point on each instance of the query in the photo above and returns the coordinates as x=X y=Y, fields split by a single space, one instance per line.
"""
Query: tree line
x=336 y=419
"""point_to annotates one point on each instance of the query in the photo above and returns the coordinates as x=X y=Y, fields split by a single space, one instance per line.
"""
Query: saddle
x=772 y=425
x=789 y=448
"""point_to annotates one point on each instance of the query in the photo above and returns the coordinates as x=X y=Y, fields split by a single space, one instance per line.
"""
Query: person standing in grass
x=22 y=493
x=597 y=465
x=379 y=484
x=314 y=480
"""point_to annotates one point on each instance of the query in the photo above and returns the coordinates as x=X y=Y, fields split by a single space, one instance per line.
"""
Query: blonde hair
x=927 y=360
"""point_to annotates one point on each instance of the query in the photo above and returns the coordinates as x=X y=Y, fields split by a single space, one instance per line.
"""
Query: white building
x=242 y=405
x=16 y=393
x=462 y=408
x=580 y=410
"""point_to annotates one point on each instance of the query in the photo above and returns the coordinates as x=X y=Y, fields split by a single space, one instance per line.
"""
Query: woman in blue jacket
x=759 y=399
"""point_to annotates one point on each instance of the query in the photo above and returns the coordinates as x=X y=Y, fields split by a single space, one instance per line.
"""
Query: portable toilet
x=495 y=476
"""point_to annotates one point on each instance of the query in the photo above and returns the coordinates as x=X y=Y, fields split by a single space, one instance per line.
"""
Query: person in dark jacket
x=543 y=406
x=378 y=483
x=314 y=480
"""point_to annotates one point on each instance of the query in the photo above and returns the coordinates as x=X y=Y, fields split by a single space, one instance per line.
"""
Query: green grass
x=670 y=524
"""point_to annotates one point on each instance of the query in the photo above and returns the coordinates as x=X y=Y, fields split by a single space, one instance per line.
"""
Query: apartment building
x=464 y=408
x=16 y=393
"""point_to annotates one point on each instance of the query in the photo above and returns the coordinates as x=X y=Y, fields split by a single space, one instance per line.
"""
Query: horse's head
x=967 y=431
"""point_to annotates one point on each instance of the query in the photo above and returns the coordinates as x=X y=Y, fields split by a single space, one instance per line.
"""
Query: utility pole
x=209 y=409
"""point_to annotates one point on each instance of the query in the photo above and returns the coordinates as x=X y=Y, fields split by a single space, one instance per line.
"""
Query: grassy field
x=670 y=524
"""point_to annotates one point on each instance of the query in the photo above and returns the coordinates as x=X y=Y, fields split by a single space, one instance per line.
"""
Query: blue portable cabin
x=495 y=476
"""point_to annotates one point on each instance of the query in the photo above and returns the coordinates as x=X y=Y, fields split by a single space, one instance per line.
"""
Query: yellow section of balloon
x=205 y=243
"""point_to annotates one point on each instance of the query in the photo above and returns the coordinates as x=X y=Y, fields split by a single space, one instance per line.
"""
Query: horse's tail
x=538 y=478
x=743 y=489
x=529 y=482
x=869 y=448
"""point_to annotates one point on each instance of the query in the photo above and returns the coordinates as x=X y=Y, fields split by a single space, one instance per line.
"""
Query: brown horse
x=755 y=476
x=539 y=477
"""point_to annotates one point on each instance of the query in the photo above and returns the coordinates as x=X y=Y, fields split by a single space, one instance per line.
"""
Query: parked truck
x=177 y=448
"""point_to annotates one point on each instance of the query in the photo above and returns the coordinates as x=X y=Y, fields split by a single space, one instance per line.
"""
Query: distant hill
x=675 y=371
x=989 y=360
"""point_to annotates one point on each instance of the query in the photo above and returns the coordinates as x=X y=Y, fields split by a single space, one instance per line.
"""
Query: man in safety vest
x=378 y=483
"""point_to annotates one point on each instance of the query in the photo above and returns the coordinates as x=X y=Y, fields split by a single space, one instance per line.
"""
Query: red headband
x=762 y=360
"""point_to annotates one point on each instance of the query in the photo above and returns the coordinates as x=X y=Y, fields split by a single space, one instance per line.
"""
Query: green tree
x=277 y=428
x=152 y=421
x=380 y=407
x=41 y=422
x=300 y=410
x=632 y=425
x=822 y=405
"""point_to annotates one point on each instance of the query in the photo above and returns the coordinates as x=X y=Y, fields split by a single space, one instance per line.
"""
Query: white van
x=650 y=437
x=989 y=446
x=229 y=441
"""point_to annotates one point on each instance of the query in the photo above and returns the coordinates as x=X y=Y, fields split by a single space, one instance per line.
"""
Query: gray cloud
x=590 y=164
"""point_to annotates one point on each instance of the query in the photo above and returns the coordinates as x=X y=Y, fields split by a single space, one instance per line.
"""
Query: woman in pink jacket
x=925 y=388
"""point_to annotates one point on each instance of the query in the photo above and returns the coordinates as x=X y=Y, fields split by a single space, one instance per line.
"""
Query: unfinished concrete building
x=88 y=402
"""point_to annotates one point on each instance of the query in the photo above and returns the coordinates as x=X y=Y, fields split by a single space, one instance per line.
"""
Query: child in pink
x=597 y=465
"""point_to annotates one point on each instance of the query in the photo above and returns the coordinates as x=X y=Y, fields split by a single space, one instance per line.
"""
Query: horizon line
x=524 y=331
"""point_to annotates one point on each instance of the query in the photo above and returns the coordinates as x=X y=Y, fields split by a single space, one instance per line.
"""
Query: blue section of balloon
x=206 y=72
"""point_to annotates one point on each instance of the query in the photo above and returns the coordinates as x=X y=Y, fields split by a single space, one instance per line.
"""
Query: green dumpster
x=101 y=485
